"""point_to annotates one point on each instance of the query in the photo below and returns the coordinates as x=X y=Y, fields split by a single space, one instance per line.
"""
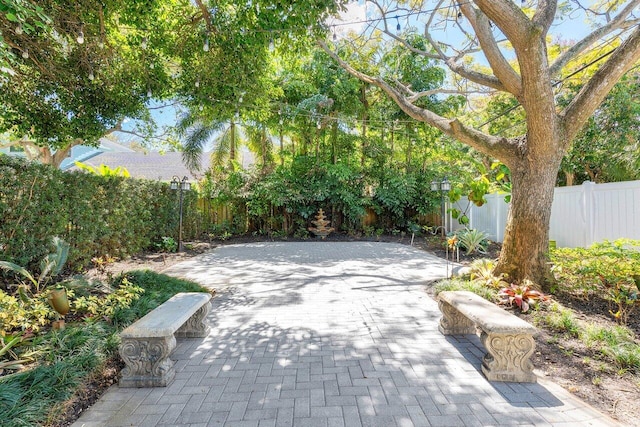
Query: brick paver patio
x=330 y=334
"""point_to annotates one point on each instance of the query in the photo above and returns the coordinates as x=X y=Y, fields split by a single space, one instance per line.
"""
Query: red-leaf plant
x=522 y=295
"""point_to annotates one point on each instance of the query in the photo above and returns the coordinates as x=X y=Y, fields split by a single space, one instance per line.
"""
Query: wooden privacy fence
x=580 y=215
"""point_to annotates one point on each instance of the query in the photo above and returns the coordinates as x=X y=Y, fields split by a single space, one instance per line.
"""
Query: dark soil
x=564 y=360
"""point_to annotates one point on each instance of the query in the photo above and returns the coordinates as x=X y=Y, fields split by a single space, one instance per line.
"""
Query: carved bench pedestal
x=147 y=362
x=507 y=357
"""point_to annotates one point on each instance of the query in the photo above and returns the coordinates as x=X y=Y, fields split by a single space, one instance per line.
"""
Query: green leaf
x=9 y=266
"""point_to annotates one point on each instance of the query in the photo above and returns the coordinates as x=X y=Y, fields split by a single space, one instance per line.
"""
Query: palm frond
x=193 y=145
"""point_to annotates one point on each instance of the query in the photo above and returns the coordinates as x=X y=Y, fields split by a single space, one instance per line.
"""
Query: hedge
x=96 y=215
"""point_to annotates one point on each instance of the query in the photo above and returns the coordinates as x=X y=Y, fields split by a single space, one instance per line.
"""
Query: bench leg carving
x=147 y=361
x=508 y=357
x=195 y=326
x=452 y=322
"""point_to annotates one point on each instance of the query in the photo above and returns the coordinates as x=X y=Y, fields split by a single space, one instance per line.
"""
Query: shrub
x=19 y=314
x=167 y=244
x=157 y=289
x=560 y=319
x=466 y=285
x=106 y=305
x=96 y=215
x=64 y=359
x=625 y=356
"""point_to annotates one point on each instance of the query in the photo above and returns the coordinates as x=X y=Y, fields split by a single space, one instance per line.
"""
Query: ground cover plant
x=44 y=373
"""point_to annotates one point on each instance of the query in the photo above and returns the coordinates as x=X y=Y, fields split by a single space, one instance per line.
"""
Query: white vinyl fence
x=580 y=215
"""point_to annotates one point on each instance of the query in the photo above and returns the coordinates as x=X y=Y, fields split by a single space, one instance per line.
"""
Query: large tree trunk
x=525 y=248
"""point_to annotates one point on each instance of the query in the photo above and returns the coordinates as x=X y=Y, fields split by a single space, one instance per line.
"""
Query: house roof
x=152 y=165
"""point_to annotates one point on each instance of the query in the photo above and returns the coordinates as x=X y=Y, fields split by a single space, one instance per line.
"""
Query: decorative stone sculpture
x=321 y=230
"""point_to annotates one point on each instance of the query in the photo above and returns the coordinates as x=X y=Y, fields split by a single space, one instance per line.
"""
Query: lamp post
x=443 y=187
x=181 y=185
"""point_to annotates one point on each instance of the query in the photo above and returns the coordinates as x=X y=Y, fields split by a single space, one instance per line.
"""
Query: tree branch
x=413 y=97
x=500 y=148
x=475 y=76
x=509 y=18
x=500 y=66
x=205 y=14
x=160 y=137
x=543 y=17
x=582 y=45
x=593 y=93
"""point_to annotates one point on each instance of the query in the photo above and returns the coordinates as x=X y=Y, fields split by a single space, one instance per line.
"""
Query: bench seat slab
x=147 y=361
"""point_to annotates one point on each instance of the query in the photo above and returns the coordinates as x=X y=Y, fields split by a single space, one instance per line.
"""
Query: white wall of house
x=580 y=215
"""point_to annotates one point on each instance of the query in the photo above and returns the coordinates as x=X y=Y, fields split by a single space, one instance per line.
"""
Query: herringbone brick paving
x=330 y=334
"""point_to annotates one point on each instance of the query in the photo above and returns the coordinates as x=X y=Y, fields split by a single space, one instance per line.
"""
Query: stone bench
x=507 y=338
x=146 y=344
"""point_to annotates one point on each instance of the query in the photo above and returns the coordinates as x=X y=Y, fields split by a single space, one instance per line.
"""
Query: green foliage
x=615 y=343
x=30 y=313
x=50 y=266
x=561 y=319
x=607 y=148
x=103 y=170
x=30 y=310
x=167 y=244
x=120 y=298
x=96 y=215
x=30 y=17
x=482 y=273
x=157 y=289
x=65 y=359
x=479 y=188
x=625 y=355
x=608 y=270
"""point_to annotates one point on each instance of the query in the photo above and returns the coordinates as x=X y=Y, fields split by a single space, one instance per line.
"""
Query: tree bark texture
x=525 y=247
